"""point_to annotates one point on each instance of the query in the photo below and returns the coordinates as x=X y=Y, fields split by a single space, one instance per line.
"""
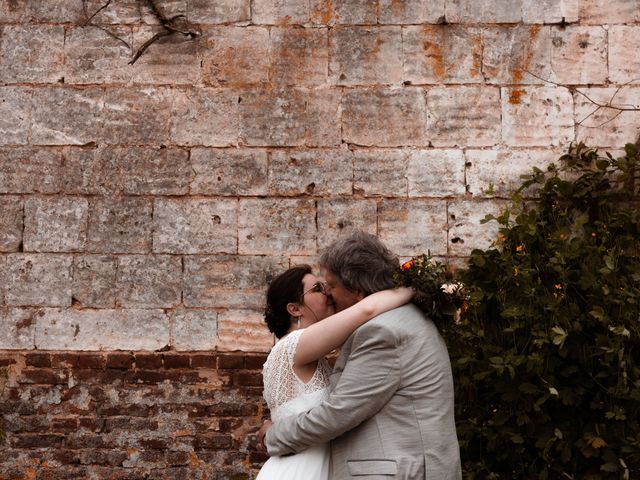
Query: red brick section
x=128 y=415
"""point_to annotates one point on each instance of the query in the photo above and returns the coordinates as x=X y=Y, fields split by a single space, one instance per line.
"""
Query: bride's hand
x=261 y=447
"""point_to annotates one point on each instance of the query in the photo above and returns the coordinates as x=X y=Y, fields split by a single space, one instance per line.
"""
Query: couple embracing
x=386 y=409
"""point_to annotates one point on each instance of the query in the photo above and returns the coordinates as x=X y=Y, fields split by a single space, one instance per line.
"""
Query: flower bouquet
x=438 y=295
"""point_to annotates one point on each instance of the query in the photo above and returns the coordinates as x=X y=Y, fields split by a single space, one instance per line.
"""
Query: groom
x=390 y=408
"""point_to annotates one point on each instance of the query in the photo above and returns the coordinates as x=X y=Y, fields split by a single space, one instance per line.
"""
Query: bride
x=296 y=374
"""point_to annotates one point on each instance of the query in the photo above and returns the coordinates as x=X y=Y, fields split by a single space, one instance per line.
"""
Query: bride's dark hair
x=284 y=289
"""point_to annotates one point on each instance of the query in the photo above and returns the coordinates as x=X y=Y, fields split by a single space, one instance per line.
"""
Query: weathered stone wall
x=143 y=207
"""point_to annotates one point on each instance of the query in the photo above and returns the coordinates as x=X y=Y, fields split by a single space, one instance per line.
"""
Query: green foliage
x=547 y=357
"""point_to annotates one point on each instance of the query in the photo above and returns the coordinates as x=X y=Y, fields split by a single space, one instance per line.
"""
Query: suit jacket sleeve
x=370 y=378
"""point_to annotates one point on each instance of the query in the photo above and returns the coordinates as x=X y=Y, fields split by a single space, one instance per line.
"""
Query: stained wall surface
x=145 y=206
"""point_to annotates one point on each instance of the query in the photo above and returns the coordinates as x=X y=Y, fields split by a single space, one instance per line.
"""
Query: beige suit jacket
x=390 y=412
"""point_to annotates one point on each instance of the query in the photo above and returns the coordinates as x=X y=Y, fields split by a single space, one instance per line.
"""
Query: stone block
x=92 y=171
x=229 y=281
x=119 y=225
x=3 y=280
x=489 y=11
x=38 y=280
x=365 y=55
x=169 y=8
x=435 y=173
x=496 y=173
x=465 y=230
x=173 y=59
x=607 y=127
x=412 y=227
x=510 y=53
x=384 y=117
x=340 y=217
x=411 y=11
x=276 y=226
x=579 y=55
x=67 y=116
x=152 y=171
x=11 y=224
x=229 y=172
x=18 y=327
x=12 y=11
x=94 y=281
x=243 y=330
x=56 y=11
x=279 y=12
x=235 y=55
x=463 y=116
x=550 y=11
x=273 y=117
x=222 y=11
x=537 y=116
x=31 y=170
x=206 y=117
x=380 y=173
x=94 y=56
x=624 y=61
x=122 y=12
x=310 y=172
x=131 y=329
x=148 y=281
x=56 y=224
x=32 y=53
x=299 y=56
x=194 y=330
x=136 y=116
x=347 y=12
x=195 y=226
x=434 y=54
x=322 y=119
x=16 y=112
x=598 y=12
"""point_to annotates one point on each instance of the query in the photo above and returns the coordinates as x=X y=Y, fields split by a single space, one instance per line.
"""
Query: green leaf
x=620 y=330
x=528 y=388
x=598 y=313
x=610 y=467
x=558 y=335
x=631 y=149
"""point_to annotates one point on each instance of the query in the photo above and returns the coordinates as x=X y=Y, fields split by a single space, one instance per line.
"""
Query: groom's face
x=341 y=297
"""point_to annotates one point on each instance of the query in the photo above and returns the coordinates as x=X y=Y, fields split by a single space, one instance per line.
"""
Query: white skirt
x=310 y=464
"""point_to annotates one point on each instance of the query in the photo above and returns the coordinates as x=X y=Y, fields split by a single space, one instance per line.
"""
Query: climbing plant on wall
x=546 y=358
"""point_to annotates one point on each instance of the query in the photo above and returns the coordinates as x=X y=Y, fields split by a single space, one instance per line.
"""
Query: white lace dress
x=287 y=395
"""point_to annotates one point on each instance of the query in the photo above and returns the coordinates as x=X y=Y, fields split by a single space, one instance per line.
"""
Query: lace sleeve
x=280 y=382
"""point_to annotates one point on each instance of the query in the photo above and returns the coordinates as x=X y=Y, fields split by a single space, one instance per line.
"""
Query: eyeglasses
x=318 y=287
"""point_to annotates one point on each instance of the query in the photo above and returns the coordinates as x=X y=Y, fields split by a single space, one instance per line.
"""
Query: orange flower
x=520 y=248
x=557 y=286
x=407 y=265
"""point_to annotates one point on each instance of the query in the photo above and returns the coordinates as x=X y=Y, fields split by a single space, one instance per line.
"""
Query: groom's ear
x=293 y=309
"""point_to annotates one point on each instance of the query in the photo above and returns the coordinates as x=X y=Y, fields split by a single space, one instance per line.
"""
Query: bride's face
x=315 y=305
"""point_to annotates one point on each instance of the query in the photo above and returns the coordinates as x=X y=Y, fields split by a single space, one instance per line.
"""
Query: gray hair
x=361 y=263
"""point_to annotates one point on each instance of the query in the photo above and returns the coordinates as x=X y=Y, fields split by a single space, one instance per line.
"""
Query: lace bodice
x=281 y=384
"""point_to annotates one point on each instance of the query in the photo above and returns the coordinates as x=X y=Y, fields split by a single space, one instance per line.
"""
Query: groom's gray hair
x=361 y=263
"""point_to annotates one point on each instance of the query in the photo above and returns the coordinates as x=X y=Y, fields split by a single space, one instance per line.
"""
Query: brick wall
x=144 y=207
x=125 y=415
